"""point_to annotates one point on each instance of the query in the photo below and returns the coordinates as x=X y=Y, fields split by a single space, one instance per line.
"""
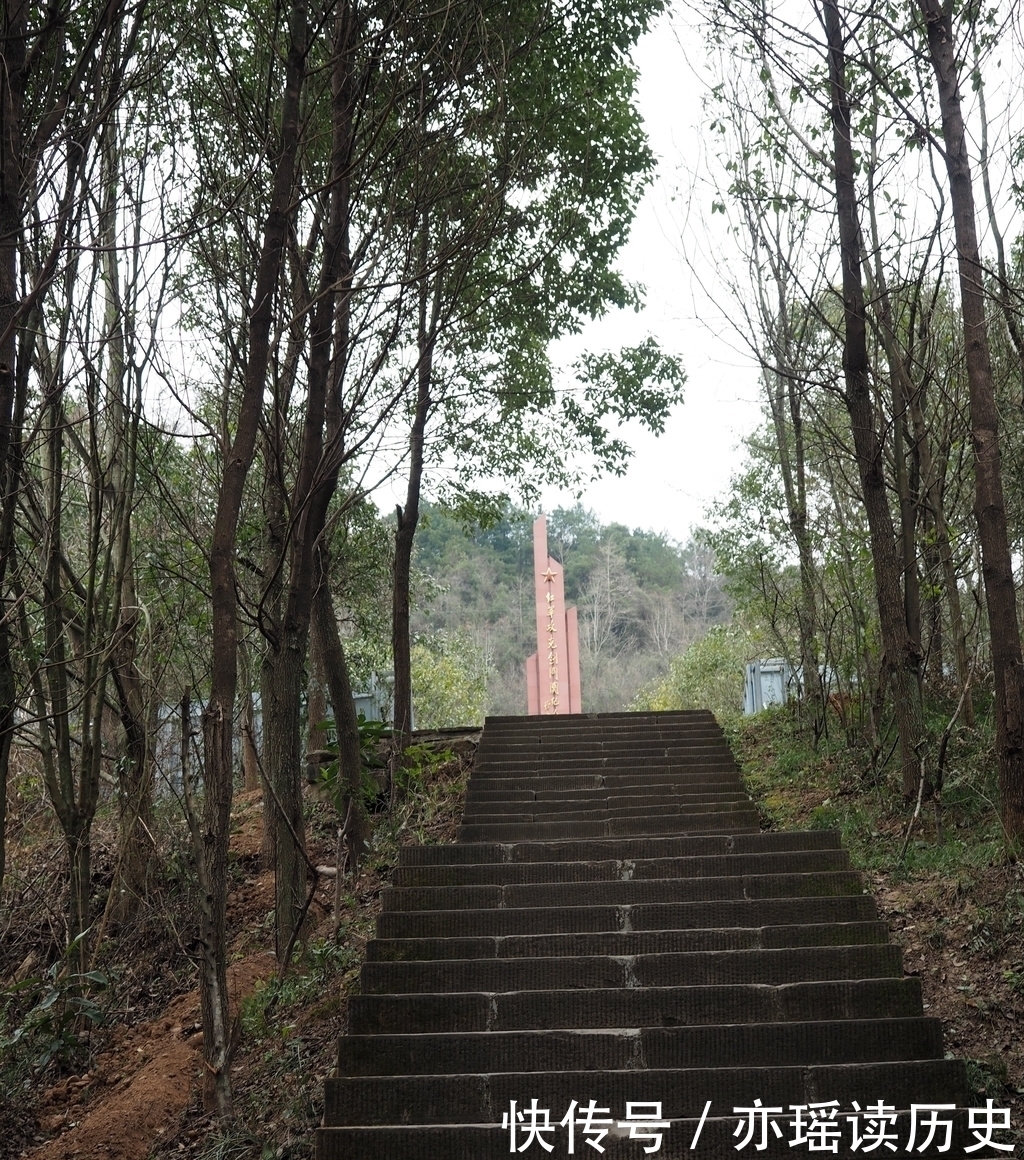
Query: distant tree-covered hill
x=641 y=598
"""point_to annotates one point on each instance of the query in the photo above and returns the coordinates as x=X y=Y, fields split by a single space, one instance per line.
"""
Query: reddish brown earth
x=967 y=945
x=142 y=1080
x=141 y=1094
x=141 y=1083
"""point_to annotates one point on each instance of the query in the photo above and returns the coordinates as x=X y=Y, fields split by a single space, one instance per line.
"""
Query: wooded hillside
x=641 y=601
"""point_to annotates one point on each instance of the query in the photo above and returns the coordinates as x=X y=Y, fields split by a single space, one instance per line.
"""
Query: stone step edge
x=760 y=937
x=627 y=868
x=742 y=843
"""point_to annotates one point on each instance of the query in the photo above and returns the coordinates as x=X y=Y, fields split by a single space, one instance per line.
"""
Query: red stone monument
x=553 y=671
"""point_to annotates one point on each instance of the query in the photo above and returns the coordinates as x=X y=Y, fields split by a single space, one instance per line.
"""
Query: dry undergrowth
x=132 y=1091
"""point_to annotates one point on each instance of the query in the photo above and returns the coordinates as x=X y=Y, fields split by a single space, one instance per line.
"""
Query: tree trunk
x=135 y=797
x=356 y=828
x=275 y=534
x=932 y=495
x=900 y=652
x=8 y=685
x=250 y=754
x=408 y=517
x=209 y=838
x=12 y=79
x=903 y=390
x=316 y=706
x=281 y=691
x=80 y=866
x=935 y=671
x=405 y=532
x=218 y=716
x=794 y=482
x=315 y=483
x=989 y=508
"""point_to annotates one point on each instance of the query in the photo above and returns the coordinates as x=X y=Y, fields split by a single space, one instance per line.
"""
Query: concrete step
x=697 y=737
x=635 y=1006
x=682 y=969
x=612 y=928
x=636 y=916
x=556 y=809
x=635 y=942
x=567 y=728
x=499 y=725
x=795 y=861
x=728 y=784
x=697 y=734
x=490 y=815
x=591 y=850
x=472 y=1099
x=600 y=799
x=629 y=761
x=689 y=749
x=627 y=721
x=669 y=778
x=734 y=1045
x=631 y=892
x=611 y=828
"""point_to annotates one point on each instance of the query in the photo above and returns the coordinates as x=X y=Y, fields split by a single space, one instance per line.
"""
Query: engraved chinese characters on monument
x=553 y=671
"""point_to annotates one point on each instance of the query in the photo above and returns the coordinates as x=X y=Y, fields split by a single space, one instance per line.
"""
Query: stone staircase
x=612 y=928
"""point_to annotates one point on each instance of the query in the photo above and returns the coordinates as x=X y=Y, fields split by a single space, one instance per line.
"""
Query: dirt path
x=126 y=1110
x=119 y=1112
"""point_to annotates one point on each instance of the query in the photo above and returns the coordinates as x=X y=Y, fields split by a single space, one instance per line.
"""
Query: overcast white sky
x=675 y=253
x=672 y=479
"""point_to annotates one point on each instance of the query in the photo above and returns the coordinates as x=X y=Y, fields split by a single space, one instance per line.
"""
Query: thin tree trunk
x=989 y=508
x=936 y=650
x=12 y=79
x=316 y=706
x=794 y=482
x=900 y=652
x=275 y=541
x=339 y=687
x=407 y=518
x=8 y=685
x=135 y=795
x=281 y=691
x=135 y=772
x=250 y=754
x=218 y=716
x=931 y=488
x=315 y=483
x=903 y=390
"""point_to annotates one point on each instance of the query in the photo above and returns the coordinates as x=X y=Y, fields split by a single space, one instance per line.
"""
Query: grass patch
x=799 y=783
